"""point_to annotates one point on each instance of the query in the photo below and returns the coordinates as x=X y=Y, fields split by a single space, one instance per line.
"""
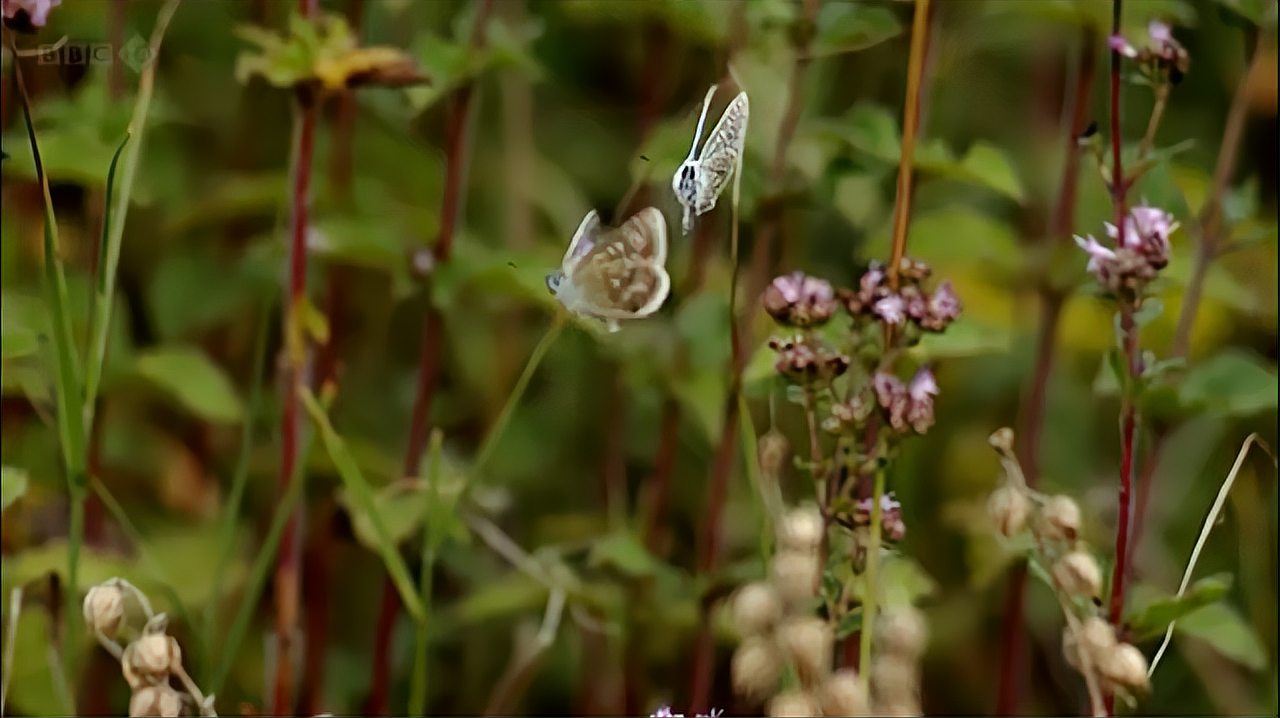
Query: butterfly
x=699 y=182
x=613 y=274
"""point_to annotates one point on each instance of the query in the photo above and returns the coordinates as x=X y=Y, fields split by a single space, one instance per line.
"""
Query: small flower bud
x=793 y=704
x=842 y=695
x=1097 y=637
x=756 y=667
x=1008 y=506
x=756 y=608
x=158 y=700
x=1059 y=519
x=774 y=451
x=807 y=640
x=903 y=632
x=1078 y=574
x=150 y=659
x=795 y=576
x=1125 y=667
x=801 y=530
x=1002 y=440
x=799 y=300
x=104 y=608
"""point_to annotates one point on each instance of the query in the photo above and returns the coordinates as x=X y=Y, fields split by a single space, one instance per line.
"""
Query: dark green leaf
x=189 y=376
x=1231 y=383
x=13 y=484
x=1222 y=627
x=848 y=27
x=1153 y=618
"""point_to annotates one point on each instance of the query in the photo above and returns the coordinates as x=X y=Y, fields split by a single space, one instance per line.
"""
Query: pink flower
x=1122 y=46
x=943 y=308
x=799 y=300
x=36 y=10
x=1098 y=254
x=921 y=391
x=892 y=309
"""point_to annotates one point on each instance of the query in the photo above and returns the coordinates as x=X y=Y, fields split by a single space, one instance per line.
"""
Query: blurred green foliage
x=577 y=102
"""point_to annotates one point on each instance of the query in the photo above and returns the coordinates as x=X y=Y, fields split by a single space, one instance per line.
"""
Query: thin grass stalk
x=239 y=481
x=870 y=583
x=1034 y=399
x=114 y=218
x=431 y=536
x=10 y=642
x=67 y=387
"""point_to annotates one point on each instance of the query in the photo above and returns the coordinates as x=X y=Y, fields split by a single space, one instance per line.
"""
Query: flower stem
x=910 y=127
x=870 y=583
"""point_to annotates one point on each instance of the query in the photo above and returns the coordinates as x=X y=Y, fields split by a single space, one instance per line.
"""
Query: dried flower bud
x=149 y=659
x=160 y=700
x=1078 y=574
x=902 y=708
x=799 y=300
x=807 y=640
x=801 y=530
x=894 y=679
x=756 y=667
x=104 y=608
x=795 y=576
x=801 y=360
x=756 y=608
x=774 y=451
x=1059 y=519
x=1125 y=667
x=1002 y=440
x=902 y=632
x=1098 y=639
x=1008 y=506
x=793 y=704
x=913 y=270
x=842 y=695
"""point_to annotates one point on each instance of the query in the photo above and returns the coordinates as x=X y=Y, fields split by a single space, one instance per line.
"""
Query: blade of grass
x=1205 y=529
x=239 y=480
x=261 y=568
x=15 y=611
x=100 y=321
x=98 y=295
x=362 y=494
x=71 y=436
x=432 y=534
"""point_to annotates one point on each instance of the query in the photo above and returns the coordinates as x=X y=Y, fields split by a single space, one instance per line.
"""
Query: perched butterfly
x=613 y=274
x=699 y=182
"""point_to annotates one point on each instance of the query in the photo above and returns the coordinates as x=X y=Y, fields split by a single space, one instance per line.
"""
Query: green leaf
x=624 y=552
x=964 y=338
x=1150 y=310
x=903 y=581
x=13 y=484
x=1231 y=383
x=362 y=496
x=1154 y=617
x=1255 y=11
x=402 y=507
x=989 y=166
x=1222 y=627
x=850 y=623
x=848 y=27
x=16 y=340
x=191 y=378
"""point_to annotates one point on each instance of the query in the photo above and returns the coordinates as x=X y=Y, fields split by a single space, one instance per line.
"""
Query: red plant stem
x=430 y=359
x=1013 y=641
x=318 y=571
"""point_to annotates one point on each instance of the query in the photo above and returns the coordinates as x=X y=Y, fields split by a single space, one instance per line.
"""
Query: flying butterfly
x=699 y=182
x=614 y=274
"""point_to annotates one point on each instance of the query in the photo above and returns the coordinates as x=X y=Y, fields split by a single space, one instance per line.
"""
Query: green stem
x=432 y=534
x=869 y=585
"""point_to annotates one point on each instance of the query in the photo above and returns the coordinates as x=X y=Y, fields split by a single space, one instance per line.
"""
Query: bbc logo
x=135 y=53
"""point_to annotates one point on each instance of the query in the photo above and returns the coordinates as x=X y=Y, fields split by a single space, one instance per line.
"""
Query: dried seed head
x=903 y=632
x=1002 y=440
x=807 y=640
x=801 y=530
x=1059 y=519
x=797 y=704
x=894 y=680
x=774 y=451
x=155 y=701
x=1097 y=637
x=756 y=667
x=1125 y=667
x=149 y=659
x=104 y=608
x=1078 y=574
x=1008 y=506
x=842 y=695
x=795 y=576
x=909 y=707
x=756 y=608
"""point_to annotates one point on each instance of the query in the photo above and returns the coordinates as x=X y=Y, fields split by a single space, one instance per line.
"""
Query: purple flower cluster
x=931 y=311
x=799 y=300
x=1140 y=251
x=1162 y=52
x=906 y=406
x=803 y=359
x=890 y=516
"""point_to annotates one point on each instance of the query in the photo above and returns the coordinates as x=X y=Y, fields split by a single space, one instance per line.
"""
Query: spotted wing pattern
x=719 y=157
x=623 y=275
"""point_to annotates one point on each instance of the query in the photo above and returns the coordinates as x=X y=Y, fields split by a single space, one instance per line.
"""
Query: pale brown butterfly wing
x=719 y=157
x=584 y=240
x=623 y=275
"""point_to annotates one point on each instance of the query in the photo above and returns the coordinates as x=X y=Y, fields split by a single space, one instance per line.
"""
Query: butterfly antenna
x=702 y=119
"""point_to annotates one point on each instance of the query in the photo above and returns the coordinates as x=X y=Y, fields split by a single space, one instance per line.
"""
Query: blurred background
x=576 y=105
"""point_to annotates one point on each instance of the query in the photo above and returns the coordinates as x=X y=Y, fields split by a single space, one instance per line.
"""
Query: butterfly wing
x=720 y=155
x=623 y=276
x=584 y=240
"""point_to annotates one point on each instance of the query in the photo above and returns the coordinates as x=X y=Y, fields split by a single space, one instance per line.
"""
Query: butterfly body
x=699 y=181
x=615 y=274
